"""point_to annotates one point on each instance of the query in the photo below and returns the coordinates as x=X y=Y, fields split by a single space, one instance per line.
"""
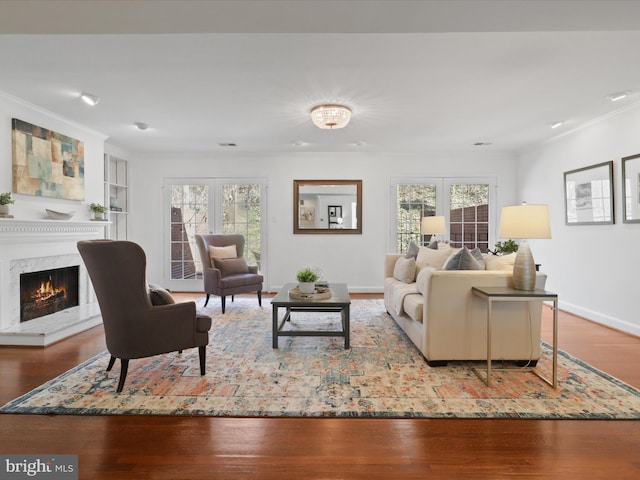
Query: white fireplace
x=34 y=245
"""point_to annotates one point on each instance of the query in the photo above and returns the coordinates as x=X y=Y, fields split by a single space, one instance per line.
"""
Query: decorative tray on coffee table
x=321 y=293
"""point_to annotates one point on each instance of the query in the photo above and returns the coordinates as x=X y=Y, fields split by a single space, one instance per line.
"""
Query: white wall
x=594 y=269
x=32 y=207
x=354 y=259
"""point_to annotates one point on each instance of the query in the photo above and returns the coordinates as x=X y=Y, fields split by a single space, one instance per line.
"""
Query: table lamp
x=523 y=222
x=433 y=225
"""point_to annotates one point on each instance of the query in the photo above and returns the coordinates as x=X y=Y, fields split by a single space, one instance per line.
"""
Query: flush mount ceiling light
x=614 y=97
x=90 y=99
x=331 y=116
x=142 y=126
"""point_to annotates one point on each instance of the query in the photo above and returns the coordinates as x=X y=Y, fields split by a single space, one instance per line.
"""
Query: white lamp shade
x=434 y=225
x=525 y=221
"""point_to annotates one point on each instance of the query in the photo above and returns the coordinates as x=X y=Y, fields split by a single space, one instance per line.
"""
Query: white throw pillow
x=500 y=262
x=428 y=257
x=223 y=252
x=405 y=269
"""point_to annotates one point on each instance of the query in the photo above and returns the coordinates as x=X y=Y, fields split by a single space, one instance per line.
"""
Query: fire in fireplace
x=48 y=291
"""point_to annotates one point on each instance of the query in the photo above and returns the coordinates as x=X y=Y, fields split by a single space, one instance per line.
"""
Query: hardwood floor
x=136 y=447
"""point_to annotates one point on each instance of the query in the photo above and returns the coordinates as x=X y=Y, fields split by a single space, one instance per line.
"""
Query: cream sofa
x=446 y=321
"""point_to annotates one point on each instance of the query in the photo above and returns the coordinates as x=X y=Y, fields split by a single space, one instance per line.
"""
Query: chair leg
x=260 y=298
x=223 y=301
x=233 y=297
x=124 y=366
x=112 y=360
x=202 y=351
x=207 y=300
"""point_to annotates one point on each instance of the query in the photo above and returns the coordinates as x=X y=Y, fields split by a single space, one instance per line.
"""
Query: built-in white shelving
x=116 y=191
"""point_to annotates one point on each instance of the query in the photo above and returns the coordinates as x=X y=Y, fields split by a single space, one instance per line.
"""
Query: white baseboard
x=601 y=318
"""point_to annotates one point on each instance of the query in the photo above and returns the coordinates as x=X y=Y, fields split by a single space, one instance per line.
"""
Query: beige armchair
x=228 y=274
x=133 y=326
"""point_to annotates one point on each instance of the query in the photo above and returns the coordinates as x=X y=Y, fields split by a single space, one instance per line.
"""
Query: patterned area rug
x=382 y=375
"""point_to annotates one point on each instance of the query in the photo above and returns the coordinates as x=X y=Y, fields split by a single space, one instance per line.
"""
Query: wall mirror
x=327 y=206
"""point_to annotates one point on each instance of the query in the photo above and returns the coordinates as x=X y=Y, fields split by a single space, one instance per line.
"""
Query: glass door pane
x=189 y=206
x=241 y=213
x=414 y=201
x=469 y=216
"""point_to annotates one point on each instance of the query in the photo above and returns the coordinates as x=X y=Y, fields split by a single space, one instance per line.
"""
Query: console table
x=507 y=294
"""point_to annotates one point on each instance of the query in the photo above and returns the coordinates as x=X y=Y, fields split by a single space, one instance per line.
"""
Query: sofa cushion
x=413 y=306
x=405 y=269
x=231 y=266
x=463 y=260
x=500 y=262
x=428 y=257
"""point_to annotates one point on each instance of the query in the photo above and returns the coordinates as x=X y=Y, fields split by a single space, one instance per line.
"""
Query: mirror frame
x=326 y=231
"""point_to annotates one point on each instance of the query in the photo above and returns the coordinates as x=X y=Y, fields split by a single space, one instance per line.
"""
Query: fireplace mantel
x=35 y=230
x=27 y=243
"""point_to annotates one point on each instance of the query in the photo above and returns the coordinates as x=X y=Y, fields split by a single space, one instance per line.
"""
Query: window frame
x=443 y=202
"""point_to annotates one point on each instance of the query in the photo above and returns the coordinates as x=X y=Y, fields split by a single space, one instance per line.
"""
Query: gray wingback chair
x=133 y=326
x=231 y=279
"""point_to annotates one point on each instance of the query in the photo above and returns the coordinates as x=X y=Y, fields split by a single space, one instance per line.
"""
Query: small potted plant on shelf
x=5 y=201
x=307 y=278
x=98 y=211
x=506 y=247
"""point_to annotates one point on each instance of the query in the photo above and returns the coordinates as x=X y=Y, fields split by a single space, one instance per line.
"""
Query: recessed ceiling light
x=481 y=144
x=556 y=124
x=90 y=99
x=299 y=143
x=614 y=97
x=227 y=145
x=142 y=126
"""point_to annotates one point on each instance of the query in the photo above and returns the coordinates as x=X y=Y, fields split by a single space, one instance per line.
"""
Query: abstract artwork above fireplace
x=46 y=163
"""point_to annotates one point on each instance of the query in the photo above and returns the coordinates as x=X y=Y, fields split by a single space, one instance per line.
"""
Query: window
x=469 y=216
x=189 y=207
x=211 y=206
x=414 y=201
x=241 y=214
x=465 y=203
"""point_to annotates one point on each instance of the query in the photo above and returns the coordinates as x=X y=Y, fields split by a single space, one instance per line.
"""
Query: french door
x=202 y=206
x=466 y=203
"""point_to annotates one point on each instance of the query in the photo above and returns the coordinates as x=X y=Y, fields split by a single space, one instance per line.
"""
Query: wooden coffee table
x=338 y=302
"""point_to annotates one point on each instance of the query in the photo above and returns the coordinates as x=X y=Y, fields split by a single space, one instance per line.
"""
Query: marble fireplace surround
x=34 y=245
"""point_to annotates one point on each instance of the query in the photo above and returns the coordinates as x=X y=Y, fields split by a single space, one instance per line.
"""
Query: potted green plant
x=506 y=247
x=98 y=211
x=307 y=278
x=5 y=201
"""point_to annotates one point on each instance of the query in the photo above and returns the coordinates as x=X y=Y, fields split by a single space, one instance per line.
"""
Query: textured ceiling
x=418 y=75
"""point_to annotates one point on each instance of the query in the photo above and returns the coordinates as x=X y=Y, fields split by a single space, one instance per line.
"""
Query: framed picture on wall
x=631 y=189
x=588 y=194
